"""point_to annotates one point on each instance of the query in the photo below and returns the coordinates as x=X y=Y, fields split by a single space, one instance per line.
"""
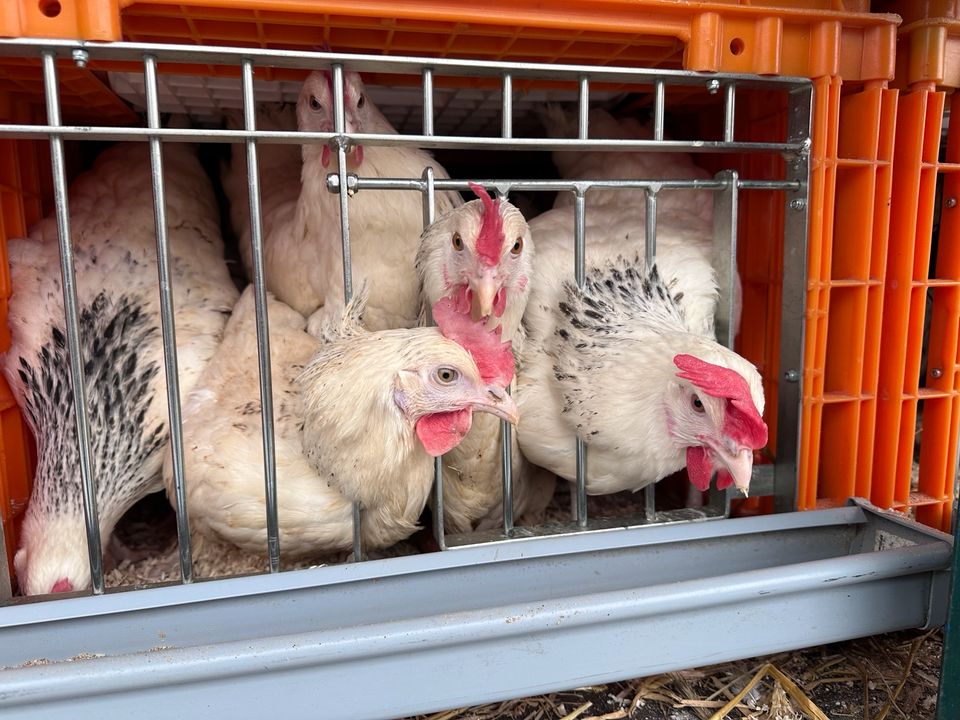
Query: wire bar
x=583 y=107
x=429 y=212
x=342 y=142
x=427 y=101
x=168 y=321
x=580 y=274
x=506 y=466
x=434 y=142
x=263 y=326
x=729 y=111
x=659 y=101
x=355 y=183
x=507 y=112
x=649 y=255
x=68 y=276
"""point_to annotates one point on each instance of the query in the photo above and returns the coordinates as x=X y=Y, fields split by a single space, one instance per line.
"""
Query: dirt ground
x=878 y=678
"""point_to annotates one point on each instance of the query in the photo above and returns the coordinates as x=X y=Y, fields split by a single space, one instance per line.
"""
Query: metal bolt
x=80 y=57
x=713 y=86
x=936 y=373
x=951 y=202
x=798 y=204
x=792 y=375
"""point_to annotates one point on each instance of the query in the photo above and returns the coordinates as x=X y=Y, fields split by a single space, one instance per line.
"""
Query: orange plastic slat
x=905 y=205
x=823 y=171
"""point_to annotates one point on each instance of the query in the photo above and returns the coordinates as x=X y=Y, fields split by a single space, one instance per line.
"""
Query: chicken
x=359 y=416
x=112 y=224
x=480 y=255
x=630 y=364
x=302 y=245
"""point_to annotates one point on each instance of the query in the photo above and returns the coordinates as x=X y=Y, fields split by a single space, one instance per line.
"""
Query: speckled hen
x=630 y=364
x=112 y=223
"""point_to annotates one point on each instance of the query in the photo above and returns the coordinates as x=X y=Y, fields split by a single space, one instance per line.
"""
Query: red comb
x=490 y=239
x=494 y=359
x=743 y=423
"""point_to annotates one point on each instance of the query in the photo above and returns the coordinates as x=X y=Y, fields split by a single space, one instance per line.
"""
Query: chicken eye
x=517 y=246
x=457 y=242
x=315 y=104
x=361 y=102
x=447 y=375
x=697 y=404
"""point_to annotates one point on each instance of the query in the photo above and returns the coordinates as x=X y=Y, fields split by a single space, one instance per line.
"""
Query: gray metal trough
x=407 y=635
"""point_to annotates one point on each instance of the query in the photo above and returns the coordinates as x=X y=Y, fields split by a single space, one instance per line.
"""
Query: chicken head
x=714 y=413
x=315 y=112
x=480 y=255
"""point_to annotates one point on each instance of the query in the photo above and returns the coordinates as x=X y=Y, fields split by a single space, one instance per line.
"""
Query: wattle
x=700 y=469
x=724 y=480
x=440 y=433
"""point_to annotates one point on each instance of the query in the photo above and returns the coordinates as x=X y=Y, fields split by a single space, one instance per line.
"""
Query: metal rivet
x=936 y=373
x=792 y=375
x=798 y=204
x=951 y=202
x=713 y=86
x=80 y=57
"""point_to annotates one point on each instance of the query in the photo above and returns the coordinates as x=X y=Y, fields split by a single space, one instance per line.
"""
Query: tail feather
x=334 y=322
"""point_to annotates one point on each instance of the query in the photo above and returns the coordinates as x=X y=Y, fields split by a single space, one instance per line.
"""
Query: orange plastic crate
x=849 y=54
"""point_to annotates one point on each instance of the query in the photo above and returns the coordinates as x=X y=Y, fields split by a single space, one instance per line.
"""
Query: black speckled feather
x=112 y=334
x=619 y=301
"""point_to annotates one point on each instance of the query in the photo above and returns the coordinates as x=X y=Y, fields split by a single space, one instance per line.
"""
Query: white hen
x=481 y=256
x=112 y=224
x=630 y=364
x=358 y=417
x=302 y=245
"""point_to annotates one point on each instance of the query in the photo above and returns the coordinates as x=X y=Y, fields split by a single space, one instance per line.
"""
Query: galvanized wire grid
x=726 y=184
